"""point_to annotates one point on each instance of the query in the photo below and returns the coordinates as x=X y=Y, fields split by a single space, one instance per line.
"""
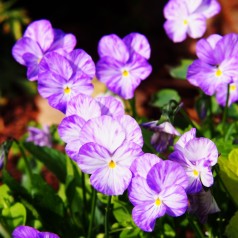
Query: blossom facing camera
x=161 y=192
x=41 y=137
x=187 y=17
x=196 y=156
x=30 y=232
x=163 y=135
x=38 y=40
x=123 y=63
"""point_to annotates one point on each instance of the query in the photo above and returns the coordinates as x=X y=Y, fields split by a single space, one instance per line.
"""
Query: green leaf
x=130 y=232
x=232 y=228
x=122 y=213
x=180 y=71
x=53 y=159
x=163 y=97
x=5 y=197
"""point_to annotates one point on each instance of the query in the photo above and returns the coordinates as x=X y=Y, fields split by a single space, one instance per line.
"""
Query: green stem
x=108 y=209
x=211 y=124
x=132 y=103
x=85 y=206
x=93 y=207
x=26 y=160
x=197 y=229
x=224 y=117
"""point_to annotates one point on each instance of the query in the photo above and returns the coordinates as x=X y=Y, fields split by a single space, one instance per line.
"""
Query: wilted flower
x=188 y=17
x=202 y=204
x=30 y=232
x=41 y=137
x=79 y=110
x=39 y=39
x=163 y=135
x=161 y=192
x=217 y=64
x=196 y=156
x=109 y=146
x=123 y=63
x=221 y=94
x=59 y=80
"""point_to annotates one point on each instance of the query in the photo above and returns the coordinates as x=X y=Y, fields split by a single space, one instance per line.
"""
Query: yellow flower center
x=195 y=173
x=112 y=164
x=158 y=202
x=218 y=73
x=67 y=90
x=125 y=73
x=232 y=87
x=185 y=22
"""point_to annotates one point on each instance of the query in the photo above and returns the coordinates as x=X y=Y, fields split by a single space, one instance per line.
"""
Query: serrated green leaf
x=53 y=159
x=232 y=228
x=180 y=71
x=163 y=97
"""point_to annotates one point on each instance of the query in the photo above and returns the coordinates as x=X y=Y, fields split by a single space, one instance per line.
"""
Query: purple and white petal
x=175 y=199
x=142 y=164
x=196 y=25
x=105 y=131
x=145 y=215
x=138 y=43
x=186 y=137
x=201 y=149
x=47 y=235
x=207 y=177
x=40 y=31
x=175 y=9
x=82 y=61
x=213 y=40
x=111 y=181
x=195 y=184
x=72 y=148
x=132 y=129
x=70 y=127
x=110 y=106
x=111 y=45
x=25 y=232
x=84 y=106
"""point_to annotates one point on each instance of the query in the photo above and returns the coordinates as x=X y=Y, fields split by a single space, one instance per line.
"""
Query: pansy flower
x=161 y=192
x=123 y=63
x=59 y=81
x=221 y=94
x=38 y=136
x=30 y=232
x=109 y=146
x=188 y=17
x=163 y=135
x=196 y=156
x=79 y=110
x=216 y=64
x=38 y=39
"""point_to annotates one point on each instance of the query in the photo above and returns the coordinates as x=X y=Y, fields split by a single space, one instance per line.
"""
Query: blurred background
x=89 y=21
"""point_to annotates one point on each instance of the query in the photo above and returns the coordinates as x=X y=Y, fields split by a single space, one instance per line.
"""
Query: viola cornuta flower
x=216 y=64
x=39 y=39
x=161 y=192
x=188 y=17
x=109 y=146
x=59 y=80
x=79 y=110
x=41 y=137
x=163 y=135
x=123 y=63
x=196 y=156
x=30 y=232
x=221 y=94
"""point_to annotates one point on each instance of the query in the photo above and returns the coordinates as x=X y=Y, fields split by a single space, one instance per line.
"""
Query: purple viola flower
x=163 y=135
x=79 y=110
x=221 y=94
x=59 y=81
x=202 y=204
x=196 y=156
x=216 y=64
x=39 y=39
x=123 y=63
x=109 y=146
x=41 y=137
x=30 y=232
x=186 y=17
x=161 y=192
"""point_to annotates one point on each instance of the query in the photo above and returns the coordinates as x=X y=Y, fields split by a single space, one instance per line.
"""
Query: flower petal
x=186 y=137
x=196 y=26
x=25 y=232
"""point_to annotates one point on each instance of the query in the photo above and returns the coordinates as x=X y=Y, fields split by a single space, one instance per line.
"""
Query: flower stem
x=197 y=229
x=108 y=209
x=224 y=117
x=93 y=207
x=85 y=207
